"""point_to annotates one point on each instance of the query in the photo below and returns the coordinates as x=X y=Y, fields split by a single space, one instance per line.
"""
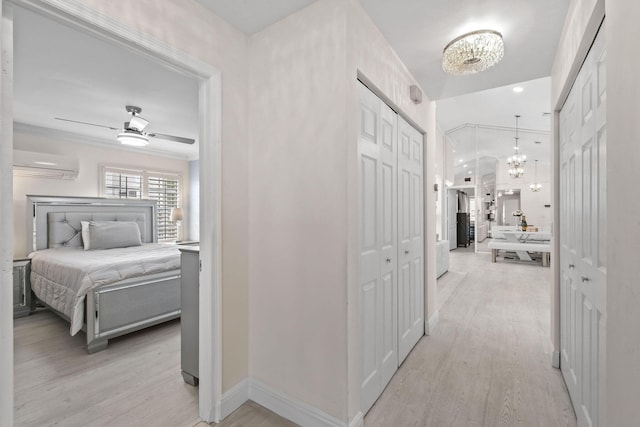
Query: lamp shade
x=177 y=214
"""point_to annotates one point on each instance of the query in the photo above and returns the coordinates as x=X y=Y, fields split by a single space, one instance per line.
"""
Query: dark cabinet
x=464 y=229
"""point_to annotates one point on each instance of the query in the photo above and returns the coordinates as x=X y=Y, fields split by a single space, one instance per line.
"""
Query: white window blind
x=132 y=184
x=164 y=189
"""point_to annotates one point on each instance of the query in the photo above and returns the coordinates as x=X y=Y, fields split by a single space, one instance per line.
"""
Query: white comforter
x=62 y=277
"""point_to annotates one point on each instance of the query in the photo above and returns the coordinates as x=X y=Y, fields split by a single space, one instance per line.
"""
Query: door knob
x=406 y=252
x=571 y=266
x=388 y=260
x=584 y=278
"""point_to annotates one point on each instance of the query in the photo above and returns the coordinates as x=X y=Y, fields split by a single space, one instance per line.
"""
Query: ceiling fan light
x=133 y=139
x=473 y=52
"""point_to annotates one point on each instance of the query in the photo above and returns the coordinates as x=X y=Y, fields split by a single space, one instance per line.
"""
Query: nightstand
x=21 y=287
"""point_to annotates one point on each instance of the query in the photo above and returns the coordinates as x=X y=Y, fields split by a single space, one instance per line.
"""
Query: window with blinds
x=123 y=184
x=164 y=189
x=131 y=184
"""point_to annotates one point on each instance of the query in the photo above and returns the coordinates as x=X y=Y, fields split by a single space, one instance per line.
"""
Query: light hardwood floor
x=486 y=364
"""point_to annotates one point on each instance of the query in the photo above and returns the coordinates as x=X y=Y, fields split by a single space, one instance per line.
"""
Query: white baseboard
x=555 y=359
x=233 y=398
x=430 y=324
x=357 y=421
x=291 y=409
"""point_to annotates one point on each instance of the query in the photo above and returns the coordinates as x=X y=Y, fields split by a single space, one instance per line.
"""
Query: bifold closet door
x=410 y=247
x=391 y=242
x=582 y=237
x=378 y=244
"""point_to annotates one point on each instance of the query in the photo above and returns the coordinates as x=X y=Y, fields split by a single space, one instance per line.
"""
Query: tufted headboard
x=55 y=221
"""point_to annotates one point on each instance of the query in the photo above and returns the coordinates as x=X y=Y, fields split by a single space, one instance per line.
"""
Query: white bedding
x=62 y=277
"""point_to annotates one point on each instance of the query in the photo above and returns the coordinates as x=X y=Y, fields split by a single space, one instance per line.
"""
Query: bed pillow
x=113 y=234
x=85 y=234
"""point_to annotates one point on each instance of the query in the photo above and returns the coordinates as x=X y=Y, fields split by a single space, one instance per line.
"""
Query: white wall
x=623 y=210
x=532 y=204
x=304 y=278
x=440 y=169
x=88 y=182
x=298 y=213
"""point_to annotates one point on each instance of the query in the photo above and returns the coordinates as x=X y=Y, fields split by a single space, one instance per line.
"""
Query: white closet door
x=582 y=239
x=410 y=247
x=378 y=234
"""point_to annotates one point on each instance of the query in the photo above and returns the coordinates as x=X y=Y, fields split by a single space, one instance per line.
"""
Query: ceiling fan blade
x=172 y=138
x=86 y=123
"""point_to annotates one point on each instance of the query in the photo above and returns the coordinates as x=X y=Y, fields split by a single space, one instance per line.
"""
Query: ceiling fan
x=133 y=132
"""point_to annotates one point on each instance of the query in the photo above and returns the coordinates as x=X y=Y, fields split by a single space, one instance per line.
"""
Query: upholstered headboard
x=55 y=221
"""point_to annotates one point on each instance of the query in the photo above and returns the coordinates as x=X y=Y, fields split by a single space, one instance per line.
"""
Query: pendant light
x=517 y=161
x=535 y=187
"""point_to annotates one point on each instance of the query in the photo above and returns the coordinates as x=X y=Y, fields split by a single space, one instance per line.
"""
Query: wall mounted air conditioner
x=42 y=165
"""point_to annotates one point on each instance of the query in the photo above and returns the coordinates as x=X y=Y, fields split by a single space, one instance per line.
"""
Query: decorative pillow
x=85 y=234
x=113 y=234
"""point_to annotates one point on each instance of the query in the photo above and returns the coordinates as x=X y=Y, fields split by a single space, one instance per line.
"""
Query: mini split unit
x=42 y=165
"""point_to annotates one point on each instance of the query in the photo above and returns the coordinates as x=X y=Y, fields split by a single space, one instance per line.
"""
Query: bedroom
x=60 y=72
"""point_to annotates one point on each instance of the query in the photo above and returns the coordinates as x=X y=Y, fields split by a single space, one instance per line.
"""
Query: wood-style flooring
x=487 y=363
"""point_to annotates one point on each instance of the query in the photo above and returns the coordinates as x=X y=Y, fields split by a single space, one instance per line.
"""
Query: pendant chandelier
x=517 y=161
x=535 y=187
x=473 y=52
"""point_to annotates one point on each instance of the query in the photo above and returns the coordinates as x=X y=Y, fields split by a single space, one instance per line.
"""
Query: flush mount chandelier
x=473 y=52
x=517 y=161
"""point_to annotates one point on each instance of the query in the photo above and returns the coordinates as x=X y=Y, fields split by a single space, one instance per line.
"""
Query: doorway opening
x=209 y=139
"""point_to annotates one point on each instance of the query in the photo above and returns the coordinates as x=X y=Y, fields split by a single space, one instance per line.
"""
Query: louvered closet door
x=378 y=244
x=582 y=237
x=410 y=247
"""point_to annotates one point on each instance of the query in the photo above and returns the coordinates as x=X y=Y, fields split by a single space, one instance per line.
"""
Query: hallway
x=488 y=361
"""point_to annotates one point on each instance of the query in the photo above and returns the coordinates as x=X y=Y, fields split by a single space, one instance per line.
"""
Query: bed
x=105 y=292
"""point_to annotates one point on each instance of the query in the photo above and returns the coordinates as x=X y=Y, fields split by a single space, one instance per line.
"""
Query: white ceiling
x=418 y=30
x=60 y=72
x=494 y=112
x=251 y=16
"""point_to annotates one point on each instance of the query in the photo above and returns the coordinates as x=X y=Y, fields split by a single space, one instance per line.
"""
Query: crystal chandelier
x=473 y=52
x=535 y=187
x=517 y=161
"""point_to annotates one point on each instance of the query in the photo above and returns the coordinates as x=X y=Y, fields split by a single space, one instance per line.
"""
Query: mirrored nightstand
x=21 y=287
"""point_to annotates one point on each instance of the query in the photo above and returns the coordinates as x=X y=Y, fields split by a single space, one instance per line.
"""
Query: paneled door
x=582 y=237
x=378 y=244
x=410 y=246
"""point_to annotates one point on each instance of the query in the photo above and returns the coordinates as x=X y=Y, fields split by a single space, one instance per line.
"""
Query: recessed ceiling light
x=461 y=160
x=470 y=172
x=518 y=89
x=464 y=166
